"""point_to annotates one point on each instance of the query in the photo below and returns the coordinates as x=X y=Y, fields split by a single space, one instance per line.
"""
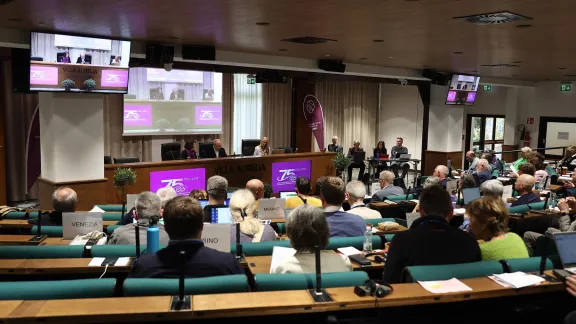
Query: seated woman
x=489 y=223
x=525 y=151
x=263 y=149
x=540 y=175
x=243 y=210
x=379 y=151
x=189 y=152
x=307 y=227
x=466 y=181
x=199 y=194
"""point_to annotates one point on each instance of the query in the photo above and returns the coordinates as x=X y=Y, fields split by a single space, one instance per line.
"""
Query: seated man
x=165 y=194
x=303 y=192
x=355 y=193
x=395 y=153
x=483 y=172
x=334 y=147
x=342 y=224
x=217 y=188
x=473 y=160
x=430 y=240
x=183 y=222
x=256 y=187
x=524 y=186
x=64 y=200
x=565 y=224
x=441 y=172
x=148 y=205
x=351 y=151
x=387 y=187
x=217 y=152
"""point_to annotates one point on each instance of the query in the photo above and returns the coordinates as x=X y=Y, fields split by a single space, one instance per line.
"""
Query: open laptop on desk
x=405 y=157
x=470 y=194
x=566 y=244
x=220 y=215
x=288 y=194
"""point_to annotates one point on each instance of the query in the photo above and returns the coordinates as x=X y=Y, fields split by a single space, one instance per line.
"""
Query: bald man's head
x=217 y=144
x=525 y=183
x=64 y=200
x=256 y=187
x=470 y=155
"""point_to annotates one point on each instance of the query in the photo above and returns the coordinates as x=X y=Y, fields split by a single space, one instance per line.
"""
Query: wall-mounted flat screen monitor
x=78 y=63
x=176 y=102
x=462 y=90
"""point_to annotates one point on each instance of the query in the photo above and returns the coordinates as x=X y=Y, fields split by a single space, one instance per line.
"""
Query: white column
x=72 y=136
x=511 y=136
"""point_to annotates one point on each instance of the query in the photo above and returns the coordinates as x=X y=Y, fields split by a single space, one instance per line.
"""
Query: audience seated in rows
x=183 y=222
x=483 y=172
x=467 y=181
x=430 y=240
x=387 y=187
x=148 y=205
x=303 y=191
x=473 y=160
x=524 y=186
x=430 y=182
x=565 y=224
x=525 y=151
x=524 y=168
x=355 y=193
x=342 y=224
x=540 y=174
x=165 y=194
x=64 y=200
x=217 y=189
x=489 y=223
x=442 y=173
x=307 y=227
x=243 y=210
x=491 y=188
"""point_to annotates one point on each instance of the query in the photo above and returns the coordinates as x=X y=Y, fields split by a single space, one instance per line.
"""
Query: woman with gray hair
x=306 y=226
x=243 y=211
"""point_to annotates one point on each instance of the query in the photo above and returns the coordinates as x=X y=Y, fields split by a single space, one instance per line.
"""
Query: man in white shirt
x=355 y=193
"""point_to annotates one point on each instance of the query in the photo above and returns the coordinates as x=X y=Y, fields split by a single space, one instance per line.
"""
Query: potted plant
x=89 y=84
x=341 y=163
x=162 y=123
x=268 y=191
x=184 y=123
x=124 y=177
x=68 y=84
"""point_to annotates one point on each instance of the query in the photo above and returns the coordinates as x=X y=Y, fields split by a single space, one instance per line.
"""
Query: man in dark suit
x=183 y=222
x=387 y=187
x=430 y=240
x=64 y=200
x=334 y=147
x=483 y=172
x=82 y=59
x=360 y=165
x=174 y=94
x=342 y=224
x=217 y=152
x=524 y=186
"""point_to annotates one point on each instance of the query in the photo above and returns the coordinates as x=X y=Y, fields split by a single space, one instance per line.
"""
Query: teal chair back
x=571 y=192
x=260 y=248
x=449 y=271
x=274 y=282
x=400 y=197
x=107 y=217
x=525 y=264
x=110 y=229
x=50 y=231
x=42 y=252
x=281 y=228
x=376 y=221
x=553 y=174
x=118 y=251
x=62 y=289
x=16 y=215
x=192 y=286
x=355 y=241
x=537 y=206
x=519 y=209
x=495 y=171
x=112 y=208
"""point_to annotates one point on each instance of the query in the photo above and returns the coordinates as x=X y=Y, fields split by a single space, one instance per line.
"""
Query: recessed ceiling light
x=41 y=23
x=327 y=55
x=391 y=57
x=263 y=23
x=458 y=52
x=378 y=40
x=363 y=59
x=282 y=50
x=523 y=26
x=15 y=19
x=562 y=68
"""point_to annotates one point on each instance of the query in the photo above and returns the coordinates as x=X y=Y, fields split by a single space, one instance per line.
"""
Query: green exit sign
x=251 y=80
x=566 y=87
x=487 y=87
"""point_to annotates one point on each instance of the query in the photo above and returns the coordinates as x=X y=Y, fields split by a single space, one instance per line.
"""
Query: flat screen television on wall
x=78 y=63
x=462 y=90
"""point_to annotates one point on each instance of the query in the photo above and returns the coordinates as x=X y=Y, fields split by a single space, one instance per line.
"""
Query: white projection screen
x=178 y=102
x=560 y=134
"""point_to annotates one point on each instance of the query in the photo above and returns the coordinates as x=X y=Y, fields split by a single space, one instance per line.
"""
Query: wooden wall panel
x=435 y=158
x=510 y=157
x=302 y=87
x=90 y=192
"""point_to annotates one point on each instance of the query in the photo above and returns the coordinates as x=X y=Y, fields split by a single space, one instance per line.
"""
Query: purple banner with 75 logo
x=284 y=174
x=183 y=181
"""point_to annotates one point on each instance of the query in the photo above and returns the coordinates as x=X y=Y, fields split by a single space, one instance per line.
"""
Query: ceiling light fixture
x=378 y=40
x=523 y=26
x=327 y=55
x=390 y=57
x=263 y=23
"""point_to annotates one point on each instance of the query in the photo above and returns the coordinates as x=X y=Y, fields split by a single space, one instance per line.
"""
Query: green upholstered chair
x=112 y=208
x=260 y=248
x=400 y=197
x=50 y=231
x=548 y=247
x=61 y=289
x=537 y=206
x=274 y=282
x=110 y=229
x=355 y=241
x=519 y=209
x=118 y=251
x=525 y=264
x=281 y=228
x=375 y=221
x=495 y=171
x=16 y=215
x=553 y=174
x=571 y=192
x=41 y=252
x=107 y=217
x=449 y=271
x=192 y=286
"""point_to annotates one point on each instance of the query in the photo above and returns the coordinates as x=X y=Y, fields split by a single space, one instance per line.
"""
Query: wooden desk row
x=24 y=224
x=144 y=309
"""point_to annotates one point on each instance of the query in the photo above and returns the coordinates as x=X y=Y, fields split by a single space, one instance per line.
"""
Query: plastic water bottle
x=367 y=247
x=153 y=236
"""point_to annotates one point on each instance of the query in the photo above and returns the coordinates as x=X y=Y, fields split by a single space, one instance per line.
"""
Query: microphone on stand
x=181 y=302
x=319 y=294
x=137 y=233
x=39 y=237
x=239 y=251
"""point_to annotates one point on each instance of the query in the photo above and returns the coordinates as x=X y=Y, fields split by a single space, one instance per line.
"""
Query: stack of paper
x=459 y=211
x=96 y=209
x=445 y=286
x=517 y=279
x=349 y=250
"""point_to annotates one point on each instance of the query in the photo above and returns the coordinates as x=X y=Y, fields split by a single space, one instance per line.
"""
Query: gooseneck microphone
x=319 y=294
x=39 y=237
x=238 y=245
x=181 y=302
x=137 y=236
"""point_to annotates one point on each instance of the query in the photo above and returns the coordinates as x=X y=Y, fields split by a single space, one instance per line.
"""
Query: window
x=247 y=111
x=486 y=133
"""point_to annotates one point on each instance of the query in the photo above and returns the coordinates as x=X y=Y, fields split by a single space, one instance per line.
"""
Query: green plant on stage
x=68 y=84
x=341 y=161
x=89 y=84
x=267 y=190
x=184 y=123
x=124 y=177
x=162 y=123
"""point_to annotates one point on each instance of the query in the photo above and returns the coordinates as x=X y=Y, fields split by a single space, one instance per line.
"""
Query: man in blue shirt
x=183 y=222
x=524 y=186
x=342 y=224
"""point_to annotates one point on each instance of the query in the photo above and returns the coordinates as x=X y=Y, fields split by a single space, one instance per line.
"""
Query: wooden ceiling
x=416 y=34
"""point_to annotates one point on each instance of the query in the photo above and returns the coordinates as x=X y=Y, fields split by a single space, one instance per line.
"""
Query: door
x=484 y=133
x=556 y=132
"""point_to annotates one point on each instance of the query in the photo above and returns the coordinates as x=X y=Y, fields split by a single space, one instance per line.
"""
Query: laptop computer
x=287 y=194
x=566 y=244
x=220 y=215
x=470 y=194
x=405 y=156
x=359 y=157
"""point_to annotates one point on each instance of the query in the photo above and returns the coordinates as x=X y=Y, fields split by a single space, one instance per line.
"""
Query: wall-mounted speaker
x=331 y=66
x=159 y=54
x=197 y=52
x=438 y=78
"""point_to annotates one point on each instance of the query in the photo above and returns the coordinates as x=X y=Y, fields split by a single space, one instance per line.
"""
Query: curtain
x=247 y=111
x=277 y=113
x=350 y=112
